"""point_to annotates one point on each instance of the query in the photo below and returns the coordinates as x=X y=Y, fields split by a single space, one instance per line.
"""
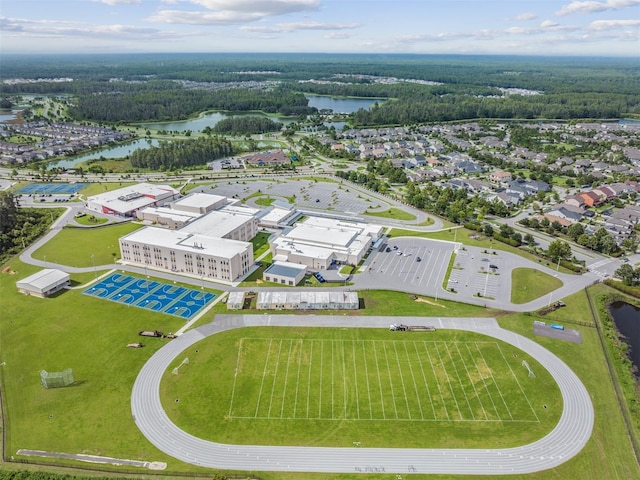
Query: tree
x=559 y=250
x=627 y=274
x=487 y=230
x=575 y=230
x=531 y=241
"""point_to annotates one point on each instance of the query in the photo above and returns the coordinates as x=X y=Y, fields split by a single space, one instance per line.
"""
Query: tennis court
x=52 y=188
x=159 y=297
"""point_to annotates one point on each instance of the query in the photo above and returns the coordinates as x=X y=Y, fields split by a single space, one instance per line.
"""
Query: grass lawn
x=89 y=335
x=527 y=284
x=74 y=246
x=260 y=243
x=394 y=213
x=326 y=387
x=265 y=201
x=90 y=220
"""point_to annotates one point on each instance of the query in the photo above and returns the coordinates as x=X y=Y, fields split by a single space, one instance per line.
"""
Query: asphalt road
x=565 y=441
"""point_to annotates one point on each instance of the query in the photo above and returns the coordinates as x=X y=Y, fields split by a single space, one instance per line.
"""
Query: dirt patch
x=424 y=300
x=8 y=270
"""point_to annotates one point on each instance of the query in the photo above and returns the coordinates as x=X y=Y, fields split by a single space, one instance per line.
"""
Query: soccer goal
x=56 y=379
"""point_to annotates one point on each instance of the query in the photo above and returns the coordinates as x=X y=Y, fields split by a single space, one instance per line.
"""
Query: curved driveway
x=565 y=441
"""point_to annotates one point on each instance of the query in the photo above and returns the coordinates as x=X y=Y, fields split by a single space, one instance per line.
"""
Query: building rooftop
x=217 y=223
x=285 y=269
x=200 y=200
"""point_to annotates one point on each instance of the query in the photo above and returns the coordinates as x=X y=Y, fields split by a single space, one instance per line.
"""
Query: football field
x=417 y=380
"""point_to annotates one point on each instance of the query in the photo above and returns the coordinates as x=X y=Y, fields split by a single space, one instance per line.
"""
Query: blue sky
x=532 y=27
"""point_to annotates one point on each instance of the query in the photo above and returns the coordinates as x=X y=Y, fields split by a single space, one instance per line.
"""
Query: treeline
x=182 y=153
x=158 y=105
x=455 y=205
x=246 y=125
x=19 y=226
x=446 y=108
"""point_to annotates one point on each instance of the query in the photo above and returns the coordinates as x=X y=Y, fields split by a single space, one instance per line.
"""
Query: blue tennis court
x=159 y=297
x=52 y=188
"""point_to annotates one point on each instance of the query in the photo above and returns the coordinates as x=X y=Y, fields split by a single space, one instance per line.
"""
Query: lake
x=119 y=151
x=200 y=123
x=342 y=105
x=626 y=317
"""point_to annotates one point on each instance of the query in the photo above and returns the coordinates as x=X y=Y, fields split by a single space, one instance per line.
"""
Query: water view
x=120 y=151
x=626 y=317
x=342 y=105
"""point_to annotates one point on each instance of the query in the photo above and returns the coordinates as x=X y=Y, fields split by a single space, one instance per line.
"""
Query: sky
x=502 y=27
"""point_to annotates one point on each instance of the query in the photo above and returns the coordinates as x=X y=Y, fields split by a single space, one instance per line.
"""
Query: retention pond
x=627 y=320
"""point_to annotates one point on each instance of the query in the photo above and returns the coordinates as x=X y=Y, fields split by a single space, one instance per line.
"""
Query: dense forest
x=420 y=88
x=182 y=153
x=19 y=226
x=246 y=125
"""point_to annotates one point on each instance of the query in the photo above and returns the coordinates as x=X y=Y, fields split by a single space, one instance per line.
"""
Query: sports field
x=415 y=380
x=52 y=188
x=143 y=293
x=331 y=387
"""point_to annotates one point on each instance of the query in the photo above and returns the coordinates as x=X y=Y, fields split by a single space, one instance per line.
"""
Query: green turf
x=527 y=284
x=74 y=246
x=264 y=201
x=394 y=213
x=260 y=243
x=90 y=220
x=327 y=387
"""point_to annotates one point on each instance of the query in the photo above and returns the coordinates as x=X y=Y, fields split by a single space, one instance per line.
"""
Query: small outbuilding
x=235 y=300
x=309 y=300
x=285 y=273
x=44 y=283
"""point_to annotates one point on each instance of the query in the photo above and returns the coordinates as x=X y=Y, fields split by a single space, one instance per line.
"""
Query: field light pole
x=93 y=260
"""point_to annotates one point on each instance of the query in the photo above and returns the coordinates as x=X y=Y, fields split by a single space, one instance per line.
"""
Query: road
x=565 y=441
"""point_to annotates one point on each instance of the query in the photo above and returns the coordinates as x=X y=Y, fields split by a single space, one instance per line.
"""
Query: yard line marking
x=375 y=354
x=464 y=393
x=321 y=369
x=235 y=376
x=435 y=378
x=486 y=387
x=264 y=373
x=457 y=344
x=366 y=373
x=518 y=382
x=424 y=378
x=309 y=381
x=295 y=403
x=393 y=395
x=275 y=377
x=333 y=363
x=344 y=378
x=415 y=385
x=446 y=374
x=404 y=390
x=355 y=378
x=286 y=379
x=493 y=379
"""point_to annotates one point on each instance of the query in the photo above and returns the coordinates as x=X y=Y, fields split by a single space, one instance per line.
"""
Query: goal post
x=56 y=379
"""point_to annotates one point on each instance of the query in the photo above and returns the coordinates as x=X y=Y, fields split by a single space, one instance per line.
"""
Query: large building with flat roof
x=318 y=242
x=188 y=253
x=127 y=201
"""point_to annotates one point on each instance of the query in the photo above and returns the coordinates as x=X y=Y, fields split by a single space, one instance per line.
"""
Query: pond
x=119 y=151
x=626 y=317
x=342 y=105
x=200 y=123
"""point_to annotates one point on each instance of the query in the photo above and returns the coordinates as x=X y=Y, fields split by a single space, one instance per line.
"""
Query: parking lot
x=412 y=264
x=477 y=273
x=308 y=194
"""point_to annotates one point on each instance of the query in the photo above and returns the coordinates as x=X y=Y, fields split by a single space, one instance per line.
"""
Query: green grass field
x=326 y=387
x=74 y=247
x=527 y=284
x=393 y=213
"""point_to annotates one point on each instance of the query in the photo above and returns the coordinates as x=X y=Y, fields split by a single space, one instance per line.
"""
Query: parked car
x=493 y=266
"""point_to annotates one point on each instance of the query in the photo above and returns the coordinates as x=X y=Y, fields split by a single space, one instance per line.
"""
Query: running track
x=567 y=439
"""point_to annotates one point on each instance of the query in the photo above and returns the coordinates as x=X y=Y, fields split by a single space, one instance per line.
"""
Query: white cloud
x=593 y=6
x=228 y=12
x=337 y=36
x=525 y=17
x=296 y=26
x=600 y=25
x=120 y=2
